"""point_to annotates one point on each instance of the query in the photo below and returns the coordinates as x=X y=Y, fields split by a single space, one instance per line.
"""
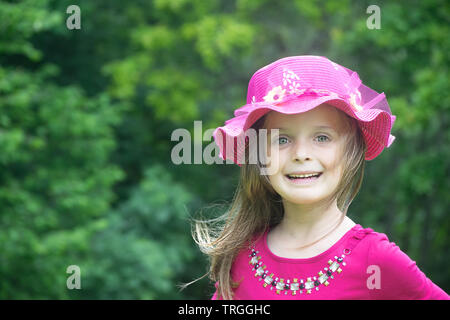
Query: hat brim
x=375 y=124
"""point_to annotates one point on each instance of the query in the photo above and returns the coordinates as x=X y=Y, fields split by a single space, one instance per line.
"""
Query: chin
x=303 y=199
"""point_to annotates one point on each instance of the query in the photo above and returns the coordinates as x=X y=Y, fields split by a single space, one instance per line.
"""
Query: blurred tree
x=56 y=179
x=146 y=248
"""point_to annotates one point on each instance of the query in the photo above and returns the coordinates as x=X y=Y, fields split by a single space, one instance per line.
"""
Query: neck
x=306 y=222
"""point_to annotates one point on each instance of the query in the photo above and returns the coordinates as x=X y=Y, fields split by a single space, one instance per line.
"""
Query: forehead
x=323 y=115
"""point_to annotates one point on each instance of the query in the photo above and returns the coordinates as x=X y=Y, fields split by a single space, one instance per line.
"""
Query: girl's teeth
x=303 y=176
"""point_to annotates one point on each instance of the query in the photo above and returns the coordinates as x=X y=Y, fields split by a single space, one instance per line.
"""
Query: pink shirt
x=363 y=264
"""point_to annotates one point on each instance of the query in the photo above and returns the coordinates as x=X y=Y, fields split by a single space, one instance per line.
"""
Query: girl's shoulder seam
x=371 y=234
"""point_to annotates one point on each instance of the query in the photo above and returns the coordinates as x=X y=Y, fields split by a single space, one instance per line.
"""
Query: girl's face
x=309 y=142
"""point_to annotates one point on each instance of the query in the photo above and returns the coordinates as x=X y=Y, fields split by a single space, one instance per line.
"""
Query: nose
x=301 y=152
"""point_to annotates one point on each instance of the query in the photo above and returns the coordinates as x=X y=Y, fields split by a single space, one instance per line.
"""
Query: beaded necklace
x=286 y=286
x=294 y=286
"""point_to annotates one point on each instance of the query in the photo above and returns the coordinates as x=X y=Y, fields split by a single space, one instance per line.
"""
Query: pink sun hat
x=298 y=84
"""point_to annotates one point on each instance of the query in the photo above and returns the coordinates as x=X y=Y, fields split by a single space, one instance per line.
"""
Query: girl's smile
x=303 y=179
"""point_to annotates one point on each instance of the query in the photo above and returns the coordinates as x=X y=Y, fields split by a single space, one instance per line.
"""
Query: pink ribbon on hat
x=351 y=98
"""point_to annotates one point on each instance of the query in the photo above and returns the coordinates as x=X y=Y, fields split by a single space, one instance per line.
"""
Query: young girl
x=286 y=234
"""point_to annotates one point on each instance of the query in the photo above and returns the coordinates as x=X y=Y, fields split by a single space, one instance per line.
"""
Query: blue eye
x=281 y=139
x=322 y=140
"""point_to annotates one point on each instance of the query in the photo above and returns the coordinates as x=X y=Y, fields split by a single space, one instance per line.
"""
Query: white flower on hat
x=275 y=95
x=295 y=88
x=291 y=81
x=289 y=77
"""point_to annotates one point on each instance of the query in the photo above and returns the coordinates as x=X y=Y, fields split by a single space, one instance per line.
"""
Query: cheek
x=335 y=170
x=331 y=159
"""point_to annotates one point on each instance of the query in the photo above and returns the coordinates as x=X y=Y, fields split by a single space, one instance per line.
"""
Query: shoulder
x=397 y=275
x=379 y=248
x=383 y=252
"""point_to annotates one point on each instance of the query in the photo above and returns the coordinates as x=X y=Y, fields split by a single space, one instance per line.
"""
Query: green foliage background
x=86 y=118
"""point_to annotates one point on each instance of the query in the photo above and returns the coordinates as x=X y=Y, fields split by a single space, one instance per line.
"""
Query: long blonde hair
x=256 y=206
